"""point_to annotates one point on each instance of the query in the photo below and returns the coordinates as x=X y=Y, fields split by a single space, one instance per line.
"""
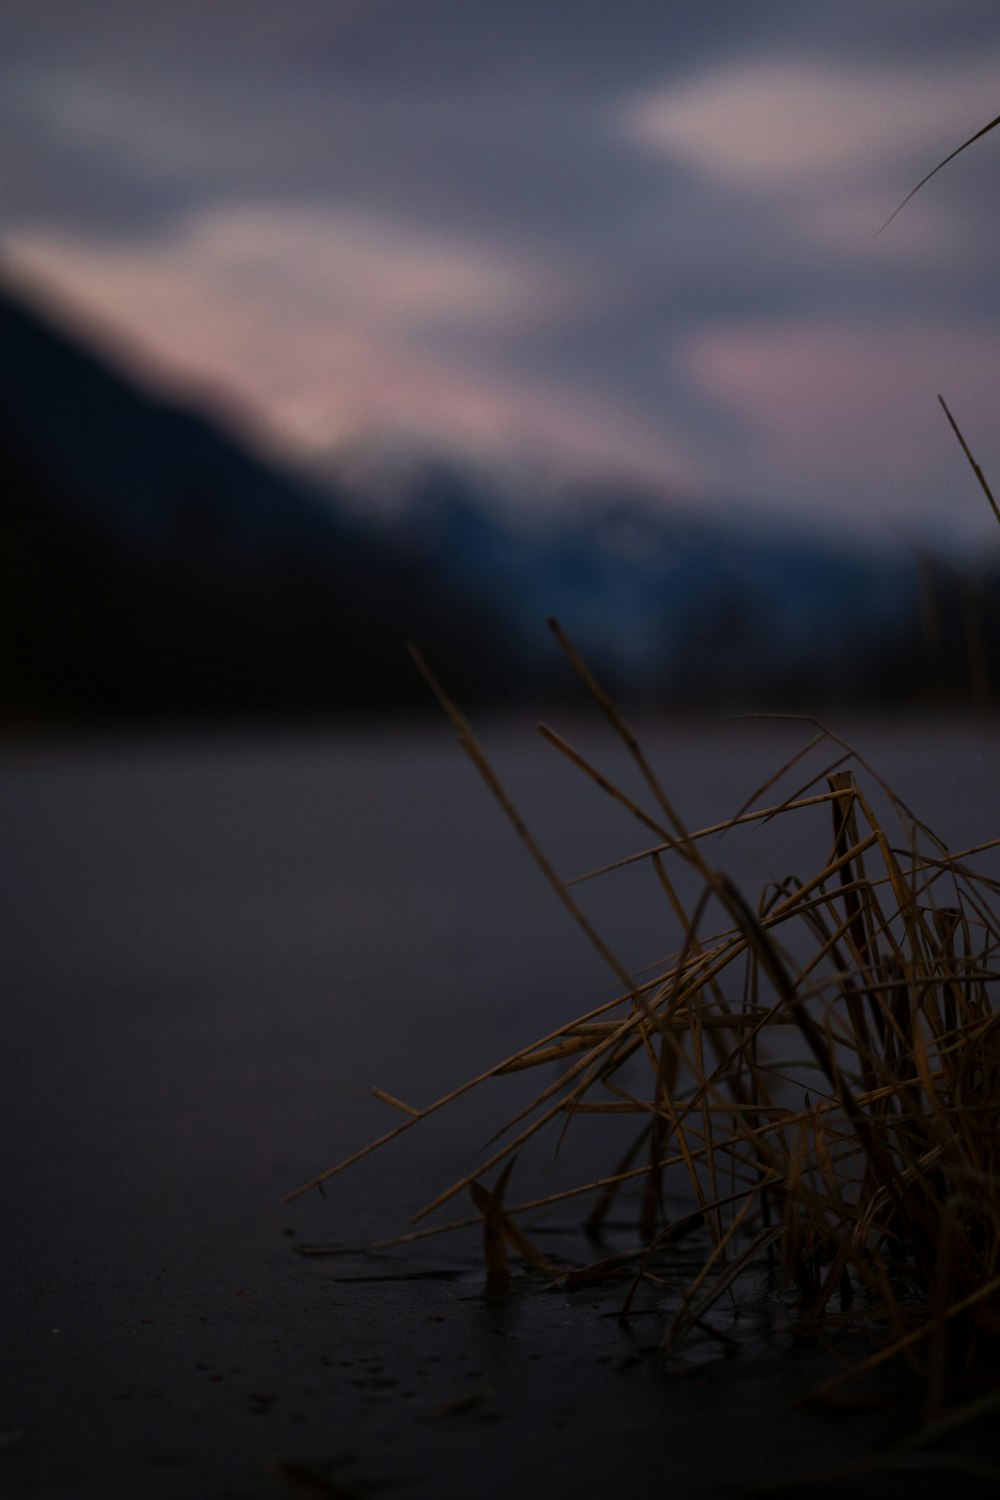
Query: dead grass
x=821 y=1069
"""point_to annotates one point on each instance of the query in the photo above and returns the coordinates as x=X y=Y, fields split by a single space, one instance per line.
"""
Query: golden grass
x=876 y=1184
x=869 y=1165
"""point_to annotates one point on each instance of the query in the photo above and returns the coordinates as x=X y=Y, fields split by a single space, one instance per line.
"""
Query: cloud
x=775 y=123
x=506 y=230
x=847 y=417
x=311 y=324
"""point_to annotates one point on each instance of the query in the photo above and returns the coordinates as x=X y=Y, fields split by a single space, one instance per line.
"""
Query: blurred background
x=336 y=323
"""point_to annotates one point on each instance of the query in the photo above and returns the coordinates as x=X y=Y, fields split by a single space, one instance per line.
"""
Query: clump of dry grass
x=871 y=1162
x=875 y=1181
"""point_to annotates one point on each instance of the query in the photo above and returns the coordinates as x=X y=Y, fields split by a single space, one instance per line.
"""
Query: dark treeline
x=93 y=626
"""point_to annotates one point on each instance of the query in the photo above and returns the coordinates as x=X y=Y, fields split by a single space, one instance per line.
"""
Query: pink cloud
x=847 y=416
x=762 y=123
x=312 y=325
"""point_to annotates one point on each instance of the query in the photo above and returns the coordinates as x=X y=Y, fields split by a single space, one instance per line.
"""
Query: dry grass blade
x=475 y=752
x=490 y=1205
x=404 y=1109
x=941 y=164
x=689 y=1316
x=763 y=815
x=307 y=1481
x=611 y=713
x=980 y=476
x=499 y=1227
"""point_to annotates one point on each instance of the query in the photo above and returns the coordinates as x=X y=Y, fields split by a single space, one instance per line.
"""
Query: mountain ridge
x=155 y=566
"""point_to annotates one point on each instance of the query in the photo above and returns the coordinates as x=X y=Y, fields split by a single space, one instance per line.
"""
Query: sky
x=636 y=239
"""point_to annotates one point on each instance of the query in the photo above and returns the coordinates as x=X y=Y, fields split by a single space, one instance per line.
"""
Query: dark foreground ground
x=210 y=952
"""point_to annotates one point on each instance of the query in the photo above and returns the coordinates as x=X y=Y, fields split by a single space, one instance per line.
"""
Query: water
x=354 y=909
x=210 y=951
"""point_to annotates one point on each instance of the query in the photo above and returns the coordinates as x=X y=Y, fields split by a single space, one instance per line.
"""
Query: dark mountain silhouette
x=151 y=567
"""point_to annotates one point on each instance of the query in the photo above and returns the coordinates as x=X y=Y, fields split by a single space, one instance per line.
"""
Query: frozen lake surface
x=211 y=949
